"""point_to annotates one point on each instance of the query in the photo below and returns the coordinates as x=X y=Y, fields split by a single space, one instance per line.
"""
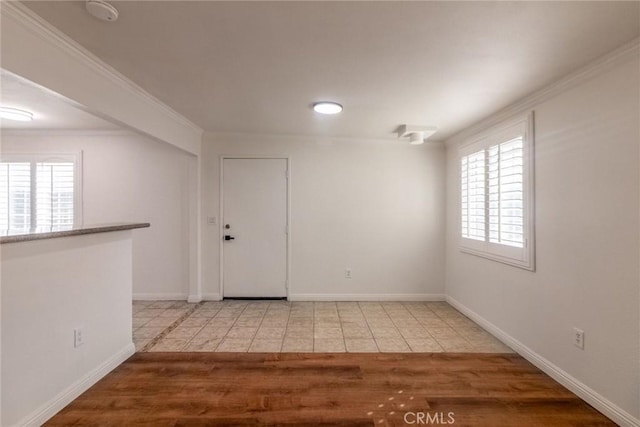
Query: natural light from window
x=497 y=196
x=37 y=194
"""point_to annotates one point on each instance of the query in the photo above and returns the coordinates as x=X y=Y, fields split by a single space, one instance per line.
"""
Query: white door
x=254 y=228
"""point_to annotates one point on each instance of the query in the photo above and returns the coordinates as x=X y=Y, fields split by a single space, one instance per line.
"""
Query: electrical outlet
x=78 y=338
x=578 y=338
x=347 y=273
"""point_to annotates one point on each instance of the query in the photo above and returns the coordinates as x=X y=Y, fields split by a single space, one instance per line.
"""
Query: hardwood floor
x=305 y=389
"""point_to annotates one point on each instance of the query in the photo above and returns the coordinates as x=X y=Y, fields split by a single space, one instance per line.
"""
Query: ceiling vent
x=416 y=134
x=102 y=10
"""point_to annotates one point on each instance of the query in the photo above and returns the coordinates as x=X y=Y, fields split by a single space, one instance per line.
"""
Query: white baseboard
x=366 y=297
x=160 y=296
x=602 y=404
x=52 y=407
x=194 y=298
x=177 y=296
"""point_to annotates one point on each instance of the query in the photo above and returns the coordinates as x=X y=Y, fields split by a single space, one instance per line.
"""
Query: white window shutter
x=15 y=195
x=506 y=193
x=473 y=196
x=497 y=195
x=39 y=191
x=54 y=194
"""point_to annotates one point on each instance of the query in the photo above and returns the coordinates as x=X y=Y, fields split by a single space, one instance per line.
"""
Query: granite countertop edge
x=77 y=231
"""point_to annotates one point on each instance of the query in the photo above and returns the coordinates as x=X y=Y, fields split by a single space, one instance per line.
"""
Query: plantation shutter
x=54 y=194
x=37 y=193
x=506 y=193
x=473 y=196
x=497 y=194
x=15 y=195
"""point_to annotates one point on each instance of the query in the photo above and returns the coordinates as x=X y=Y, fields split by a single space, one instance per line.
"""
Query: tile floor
x=281 y=326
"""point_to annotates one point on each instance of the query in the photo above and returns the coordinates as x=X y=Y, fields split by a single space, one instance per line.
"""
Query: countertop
x=25 y=235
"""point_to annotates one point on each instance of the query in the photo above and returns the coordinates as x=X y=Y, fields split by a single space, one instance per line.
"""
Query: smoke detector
x=416 y=134
x=102 y=10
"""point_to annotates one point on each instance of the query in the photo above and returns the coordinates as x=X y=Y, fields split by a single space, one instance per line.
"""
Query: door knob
x=227 y=237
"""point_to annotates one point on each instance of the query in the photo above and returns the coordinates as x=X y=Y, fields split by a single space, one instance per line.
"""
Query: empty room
x=340 y=213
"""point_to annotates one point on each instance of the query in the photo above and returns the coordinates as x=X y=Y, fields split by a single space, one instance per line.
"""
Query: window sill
x=524 y=264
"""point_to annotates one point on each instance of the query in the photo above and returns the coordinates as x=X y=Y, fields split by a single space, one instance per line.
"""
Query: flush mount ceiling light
x=327 y=107
x=416 y=134
x=102 y=10
x=15 y=114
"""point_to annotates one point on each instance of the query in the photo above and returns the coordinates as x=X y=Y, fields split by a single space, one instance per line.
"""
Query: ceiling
x=257 y=66
x=50 y=110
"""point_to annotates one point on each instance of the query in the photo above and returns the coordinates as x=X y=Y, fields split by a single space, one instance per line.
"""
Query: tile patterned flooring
x=282 y=326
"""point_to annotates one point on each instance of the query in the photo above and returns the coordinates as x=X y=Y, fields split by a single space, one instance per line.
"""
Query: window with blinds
x=15 y=195
x=37 y=192
x=54 y=194
x=496 y=178
x=506 y=193
x=473 y=196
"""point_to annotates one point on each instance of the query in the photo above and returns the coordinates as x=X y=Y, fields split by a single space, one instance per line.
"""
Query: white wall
x=132 y=178
x=49 y=288
x=587 y=228
x=376 y=207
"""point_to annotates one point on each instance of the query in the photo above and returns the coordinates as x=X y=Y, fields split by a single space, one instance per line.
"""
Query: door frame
x=287 y=158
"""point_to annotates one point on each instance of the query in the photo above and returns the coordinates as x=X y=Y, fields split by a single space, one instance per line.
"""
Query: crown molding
x=222 y=137
x=43 y=29
x=69 y=132
x=616 y=57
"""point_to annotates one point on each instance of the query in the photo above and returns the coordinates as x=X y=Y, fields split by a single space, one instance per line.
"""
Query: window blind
x=36 y=194
x=15 y=195
x=496 y=186
x=473 y=196
x=492 y=194
x=505 y=193
x=54 y=194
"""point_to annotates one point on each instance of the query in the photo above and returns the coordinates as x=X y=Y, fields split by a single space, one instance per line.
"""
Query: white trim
x=45 y=30
x=169 y=296
x=199 y=227
x=288 y=285
x=53 y=406
x=604 y=63
x=194 y=230
x=68 y=132
x=221 y=229
x=194 y=299
x=602 y=404
x=288 y=210
x=301 y=138
x=211 y=297
x=367 y=297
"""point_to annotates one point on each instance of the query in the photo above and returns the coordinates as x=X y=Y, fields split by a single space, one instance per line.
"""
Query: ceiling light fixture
x=15 y=114
x=102 y=10
x=417 y=134
x=327 y=107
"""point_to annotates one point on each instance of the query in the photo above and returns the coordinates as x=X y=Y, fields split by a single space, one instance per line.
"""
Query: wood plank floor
x=304 y=389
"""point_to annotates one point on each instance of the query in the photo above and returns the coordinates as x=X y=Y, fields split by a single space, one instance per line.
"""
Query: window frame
x=519 y=257
x=62 y=157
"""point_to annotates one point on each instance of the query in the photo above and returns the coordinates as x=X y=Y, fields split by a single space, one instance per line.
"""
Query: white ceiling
x=50 y=111
x=257 y=66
